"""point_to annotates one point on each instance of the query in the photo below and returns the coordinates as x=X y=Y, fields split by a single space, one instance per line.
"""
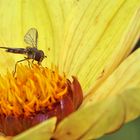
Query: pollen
x=31 y=90
x=35 y=94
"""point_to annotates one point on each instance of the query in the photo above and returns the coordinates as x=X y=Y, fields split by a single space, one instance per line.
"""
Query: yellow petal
x=67 y=7
x=96 y=32
x=43 y=131
x=6 y=62
x=131 y=100
x=93 y=121
x=48 y=16
x=126 y=76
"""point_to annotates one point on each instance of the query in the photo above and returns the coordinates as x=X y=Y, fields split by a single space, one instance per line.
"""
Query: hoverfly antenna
x=45 y=56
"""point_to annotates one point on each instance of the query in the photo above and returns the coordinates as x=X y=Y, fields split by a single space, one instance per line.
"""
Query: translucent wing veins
x=31 y=37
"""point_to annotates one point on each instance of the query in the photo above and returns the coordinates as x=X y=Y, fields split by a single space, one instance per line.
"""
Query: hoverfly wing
x=31 y=37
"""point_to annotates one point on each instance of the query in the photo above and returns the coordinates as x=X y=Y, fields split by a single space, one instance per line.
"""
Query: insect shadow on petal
x=31 y=52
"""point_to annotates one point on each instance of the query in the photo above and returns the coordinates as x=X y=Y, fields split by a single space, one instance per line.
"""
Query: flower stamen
x=33 y=95
x=31 y=90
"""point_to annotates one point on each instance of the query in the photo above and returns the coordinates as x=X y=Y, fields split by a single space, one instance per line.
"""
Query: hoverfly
x=31 y=52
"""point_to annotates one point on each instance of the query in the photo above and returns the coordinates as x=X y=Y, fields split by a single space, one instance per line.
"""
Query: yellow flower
x=88 y=39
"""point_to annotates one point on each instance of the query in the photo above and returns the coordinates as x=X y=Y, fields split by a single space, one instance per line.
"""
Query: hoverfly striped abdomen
x=16 y=50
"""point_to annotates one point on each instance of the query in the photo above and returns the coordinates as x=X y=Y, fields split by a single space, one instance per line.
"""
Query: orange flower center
x=31 y=90
x=33 y=95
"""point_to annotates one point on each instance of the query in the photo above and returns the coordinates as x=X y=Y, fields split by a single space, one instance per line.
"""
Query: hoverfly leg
x=29 y=63
x=33 y=61
x=39 y=63
x=17 y=63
